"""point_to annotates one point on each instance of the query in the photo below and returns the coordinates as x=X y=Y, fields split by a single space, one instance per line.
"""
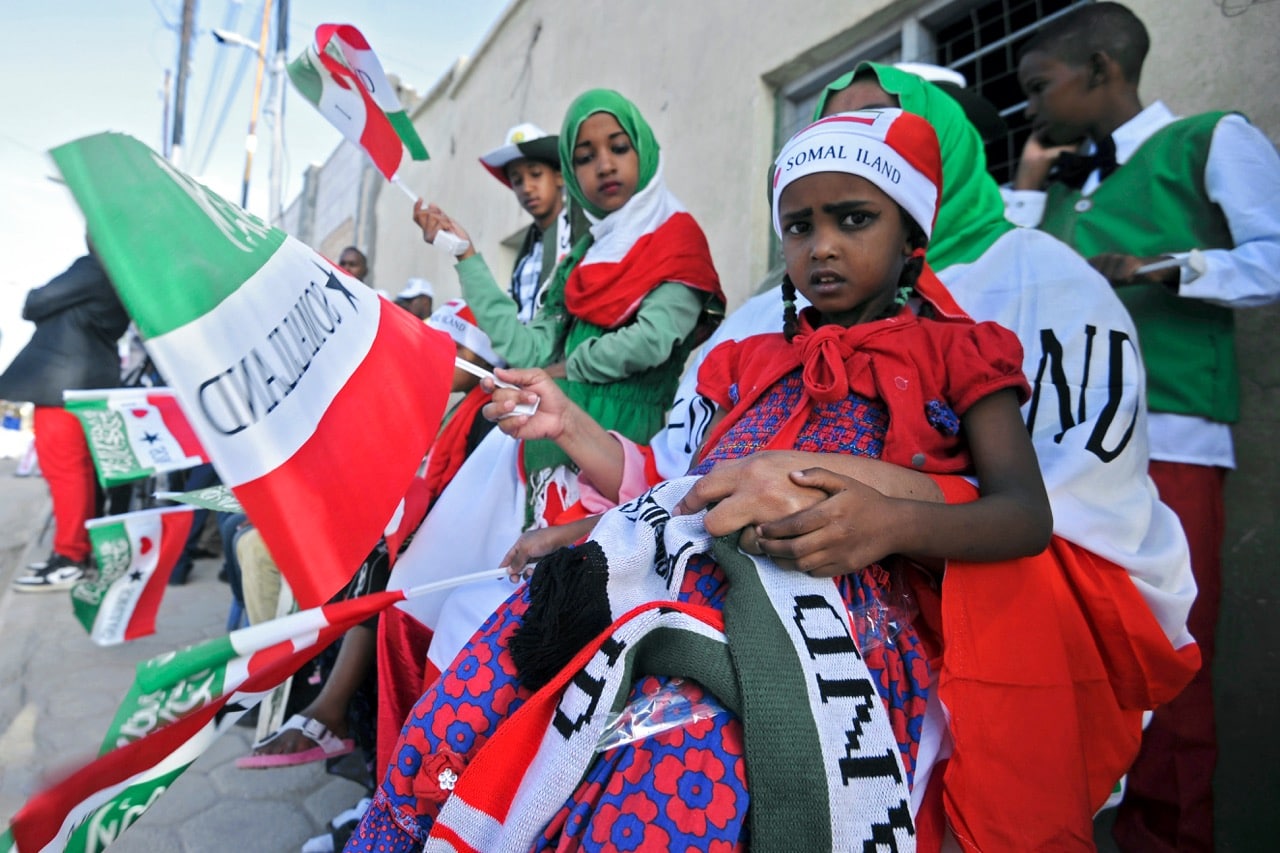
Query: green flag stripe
x=174 y=250
x=166 y=670
x=408 y=135
x=306 y=77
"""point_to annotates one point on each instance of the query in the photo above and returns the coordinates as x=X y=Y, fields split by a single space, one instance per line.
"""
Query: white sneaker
x=57 y=574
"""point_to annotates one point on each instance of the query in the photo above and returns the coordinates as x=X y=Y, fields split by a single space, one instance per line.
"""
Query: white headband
x=895 y=150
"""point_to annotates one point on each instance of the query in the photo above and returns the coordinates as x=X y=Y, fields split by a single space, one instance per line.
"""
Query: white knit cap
x=895 y=150
x=455 y=319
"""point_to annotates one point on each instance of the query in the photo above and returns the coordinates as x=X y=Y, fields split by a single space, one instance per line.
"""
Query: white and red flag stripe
x=315 y=399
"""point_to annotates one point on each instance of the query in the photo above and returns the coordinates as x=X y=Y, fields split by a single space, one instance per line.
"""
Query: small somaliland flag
x=340 y=74
x=134 y=432
x=315 y=399
x=135 y=553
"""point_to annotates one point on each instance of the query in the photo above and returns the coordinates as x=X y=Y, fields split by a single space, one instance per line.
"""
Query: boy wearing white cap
x=528 y=162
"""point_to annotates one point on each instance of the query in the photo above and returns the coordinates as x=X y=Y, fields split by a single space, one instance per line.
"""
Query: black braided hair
x=914 y=265
x=790 y=319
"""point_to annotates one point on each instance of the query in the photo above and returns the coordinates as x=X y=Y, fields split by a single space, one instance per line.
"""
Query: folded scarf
x=822 y=761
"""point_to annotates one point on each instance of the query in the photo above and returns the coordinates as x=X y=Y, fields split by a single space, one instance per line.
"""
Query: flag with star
x=314 y=399
x=134 y=433
x=135 y=553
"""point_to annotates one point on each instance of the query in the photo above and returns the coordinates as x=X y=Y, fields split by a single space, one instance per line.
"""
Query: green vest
x=1156 y=204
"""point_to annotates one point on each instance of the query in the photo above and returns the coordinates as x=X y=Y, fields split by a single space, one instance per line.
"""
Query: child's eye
x=857 y=219
x=795 y=229
x=620 y=148
x=581 y=159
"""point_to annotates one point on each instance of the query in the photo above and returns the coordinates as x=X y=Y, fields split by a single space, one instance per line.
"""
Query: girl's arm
x=667 y=316
x=534 y=345
x=592 y=448
x=1011 y=517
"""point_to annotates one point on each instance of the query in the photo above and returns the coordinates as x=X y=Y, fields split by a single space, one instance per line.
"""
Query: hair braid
x=790 y=320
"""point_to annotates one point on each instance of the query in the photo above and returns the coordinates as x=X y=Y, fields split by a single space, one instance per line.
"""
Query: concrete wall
x=1201 y=59
x=705 y=76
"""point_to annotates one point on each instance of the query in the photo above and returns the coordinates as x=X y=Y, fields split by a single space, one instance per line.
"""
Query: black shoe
x=57 y=574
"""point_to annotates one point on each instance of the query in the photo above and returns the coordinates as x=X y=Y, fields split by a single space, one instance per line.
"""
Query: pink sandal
x=328 y=745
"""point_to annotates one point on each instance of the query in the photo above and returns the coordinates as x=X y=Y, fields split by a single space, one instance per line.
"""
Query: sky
x=73 y=68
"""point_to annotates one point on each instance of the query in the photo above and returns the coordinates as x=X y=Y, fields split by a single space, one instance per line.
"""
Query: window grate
x=983 y=44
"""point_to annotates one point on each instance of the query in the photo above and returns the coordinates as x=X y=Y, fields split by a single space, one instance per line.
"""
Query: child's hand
x=1120 y=269
x=431 y=219
x=536 y=544
x=535 y=386
x=1037 y=159
x=747 y=492
x=851 y=528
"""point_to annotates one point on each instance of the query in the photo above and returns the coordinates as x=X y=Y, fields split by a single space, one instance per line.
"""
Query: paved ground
x=58 y=691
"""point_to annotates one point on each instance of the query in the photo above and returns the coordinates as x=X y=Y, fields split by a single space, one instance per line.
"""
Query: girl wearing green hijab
x=971 y=214
x=626 y=305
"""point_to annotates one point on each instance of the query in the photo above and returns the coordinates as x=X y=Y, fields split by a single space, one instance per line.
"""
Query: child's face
x=538 y=188
x=605 y=162
x=844 y=243
x=1061 y=103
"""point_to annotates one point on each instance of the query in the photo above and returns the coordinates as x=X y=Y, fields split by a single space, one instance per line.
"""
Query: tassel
x=568 y=607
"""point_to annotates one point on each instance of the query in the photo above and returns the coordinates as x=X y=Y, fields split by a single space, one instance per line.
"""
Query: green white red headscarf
x=649 y=240
x=971 y=212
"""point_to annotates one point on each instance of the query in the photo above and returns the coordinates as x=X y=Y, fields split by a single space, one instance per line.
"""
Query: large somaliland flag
x=314 y=398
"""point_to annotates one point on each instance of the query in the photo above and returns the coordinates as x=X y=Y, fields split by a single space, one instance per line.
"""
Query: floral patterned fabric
x=684 y=788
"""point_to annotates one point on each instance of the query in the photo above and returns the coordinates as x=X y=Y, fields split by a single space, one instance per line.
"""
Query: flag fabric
x=315 y=399
x=217 y=498
x=172 y=714
x=134 y=432
x=136 y=553
x=169 y=718
x=340 y=74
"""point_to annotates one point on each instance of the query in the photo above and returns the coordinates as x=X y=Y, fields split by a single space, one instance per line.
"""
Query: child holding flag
x=859 y=373
x=625 y=306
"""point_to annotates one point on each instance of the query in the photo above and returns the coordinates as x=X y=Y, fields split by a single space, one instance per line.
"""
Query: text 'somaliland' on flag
x=134 y=432
x=340 y=74
x=135 y=553
x=314 y=399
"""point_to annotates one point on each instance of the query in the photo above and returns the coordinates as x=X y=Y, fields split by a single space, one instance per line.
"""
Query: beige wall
x=1202 y=59
x=694 y=69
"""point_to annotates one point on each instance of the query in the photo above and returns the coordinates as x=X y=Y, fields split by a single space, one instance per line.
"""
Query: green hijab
x=642 y=139
x=971 y=212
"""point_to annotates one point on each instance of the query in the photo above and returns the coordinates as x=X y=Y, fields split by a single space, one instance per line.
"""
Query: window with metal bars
x=979 y=39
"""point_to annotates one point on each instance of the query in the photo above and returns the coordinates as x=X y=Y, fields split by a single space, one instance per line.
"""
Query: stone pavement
x=58 y=691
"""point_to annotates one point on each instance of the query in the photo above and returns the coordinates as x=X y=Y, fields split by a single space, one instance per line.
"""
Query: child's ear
x=1101 y=68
